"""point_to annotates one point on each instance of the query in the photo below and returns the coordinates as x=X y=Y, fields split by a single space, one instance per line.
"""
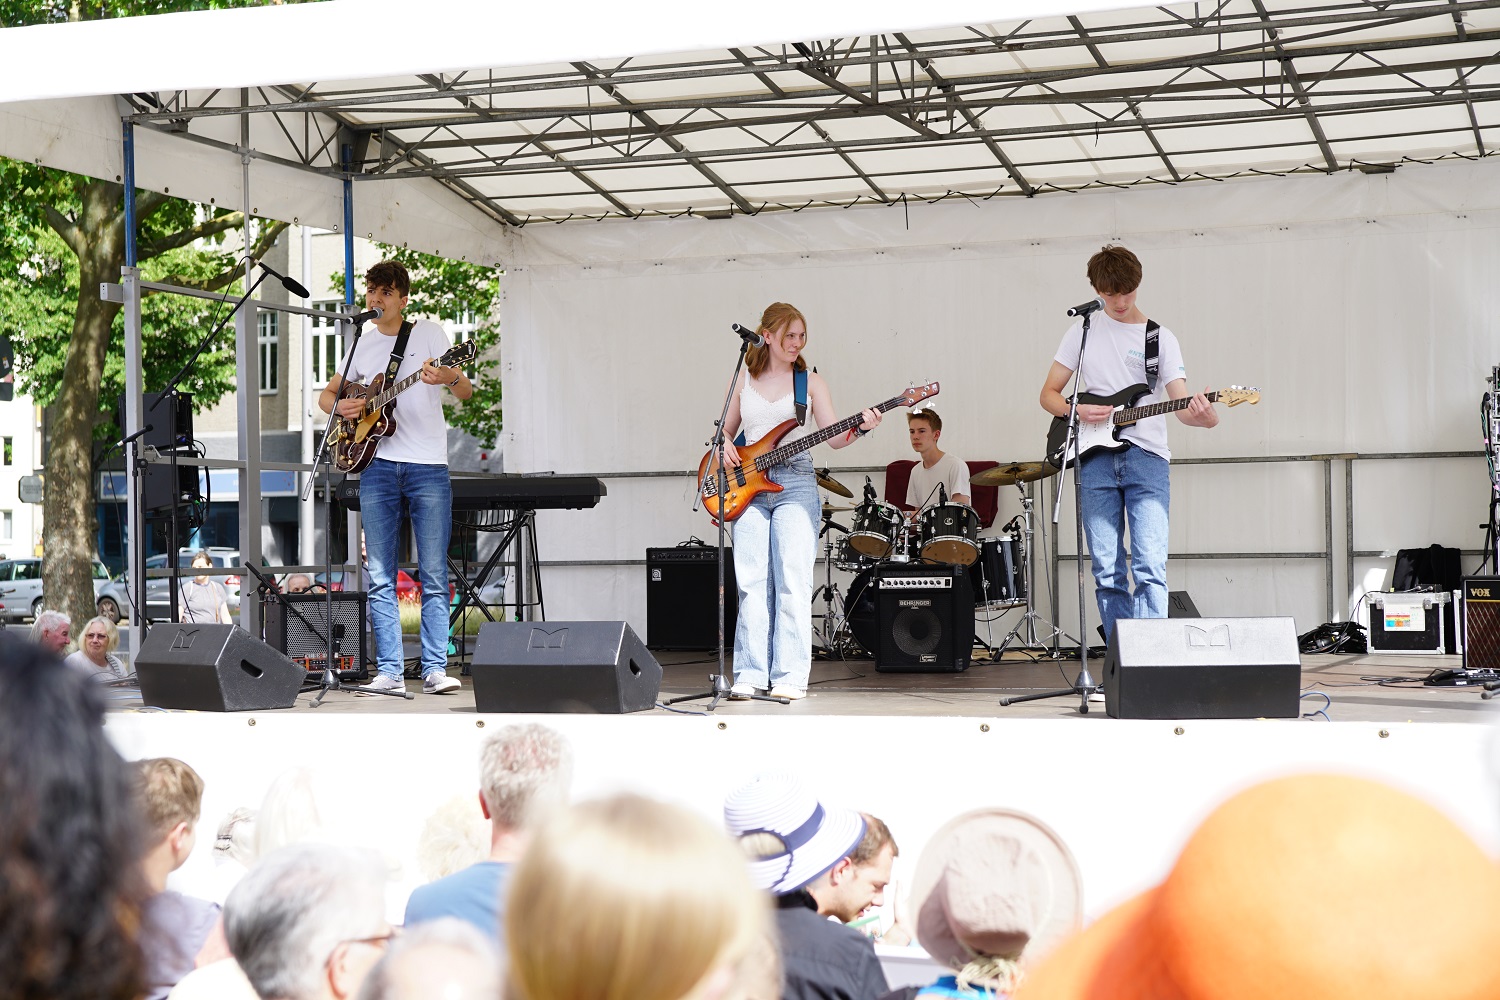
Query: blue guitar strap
x=1153 y=348
x=799 y=401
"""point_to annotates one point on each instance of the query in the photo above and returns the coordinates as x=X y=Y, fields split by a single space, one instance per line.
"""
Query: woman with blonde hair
x=776 y=537
x=96 y=649
x=627 y=898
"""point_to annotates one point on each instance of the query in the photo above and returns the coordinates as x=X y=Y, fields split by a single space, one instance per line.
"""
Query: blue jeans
x=775 y=543
x=1130 y=485
x=429 y=496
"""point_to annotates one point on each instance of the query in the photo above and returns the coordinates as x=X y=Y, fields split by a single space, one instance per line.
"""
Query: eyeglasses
x=380 y=940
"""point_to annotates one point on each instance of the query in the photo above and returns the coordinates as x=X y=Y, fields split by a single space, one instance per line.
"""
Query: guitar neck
x=778 y=455
x=386 y=395
x=1131 y=414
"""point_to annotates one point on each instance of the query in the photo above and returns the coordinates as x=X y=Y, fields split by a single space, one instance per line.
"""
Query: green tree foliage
x=456 y=290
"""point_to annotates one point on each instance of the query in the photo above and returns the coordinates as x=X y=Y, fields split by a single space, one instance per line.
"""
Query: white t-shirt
x=1115 y=359
x=922 y=487
x=421 y=435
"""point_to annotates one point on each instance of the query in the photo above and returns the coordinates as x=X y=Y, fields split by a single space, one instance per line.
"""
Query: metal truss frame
x=1202 y=91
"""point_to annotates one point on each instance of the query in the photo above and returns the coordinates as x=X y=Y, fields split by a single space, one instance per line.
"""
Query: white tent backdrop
x=1361 y=305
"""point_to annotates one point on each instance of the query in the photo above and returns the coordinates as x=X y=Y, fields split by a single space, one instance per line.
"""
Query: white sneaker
x=742 y=691
x=438 y=682
x=788 y=692
x=384 y=682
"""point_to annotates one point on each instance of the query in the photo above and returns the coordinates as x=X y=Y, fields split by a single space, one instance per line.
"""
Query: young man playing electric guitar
x=411 y=465
x=1130 y=483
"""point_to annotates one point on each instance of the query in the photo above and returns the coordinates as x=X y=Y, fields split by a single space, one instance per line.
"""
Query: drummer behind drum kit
x=944 y=533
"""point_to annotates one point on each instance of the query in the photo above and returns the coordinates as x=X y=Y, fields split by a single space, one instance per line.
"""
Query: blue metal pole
x=346 y=154
x=128 y=142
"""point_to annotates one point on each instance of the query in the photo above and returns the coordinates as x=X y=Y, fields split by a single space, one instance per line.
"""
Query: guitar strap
x=1153 y=348
x=398 y=352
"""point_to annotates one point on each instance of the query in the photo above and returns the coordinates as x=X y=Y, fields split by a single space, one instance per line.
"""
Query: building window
x=461 y=330
x=7 y=524
x=7 y=451
x=267 y=342
x=326 y=342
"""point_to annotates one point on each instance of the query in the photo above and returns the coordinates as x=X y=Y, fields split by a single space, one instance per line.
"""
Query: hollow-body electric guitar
x=1105 y=434
x=356 y=438
x=748 y=480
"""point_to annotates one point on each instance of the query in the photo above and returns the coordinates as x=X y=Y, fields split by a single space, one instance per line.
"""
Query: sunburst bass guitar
x=748 y=480
x=1105 y=434
x=354 y=439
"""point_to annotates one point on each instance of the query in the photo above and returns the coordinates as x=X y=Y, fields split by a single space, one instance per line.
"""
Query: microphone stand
x=720 y=681
x=1084 y=685
x=331 y=680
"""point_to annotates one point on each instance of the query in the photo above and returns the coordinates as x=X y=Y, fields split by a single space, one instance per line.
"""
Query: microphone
x=367 y=315
x=131 y=437
x=750 y=337
x=1091 y=305
x=295 y=287
x=869 y=489
x=942 y=494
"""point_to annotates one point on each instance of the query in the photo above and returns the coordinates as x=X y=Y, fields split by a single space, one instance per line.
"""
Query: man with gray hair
x=50 y=631
x=445 y=958
x=524 y=774
x=308 y=922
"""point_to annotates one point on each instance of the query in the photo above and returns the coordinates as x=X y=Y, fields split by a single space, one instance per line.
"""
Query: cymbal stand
x=1028 y=621
x=835 y=624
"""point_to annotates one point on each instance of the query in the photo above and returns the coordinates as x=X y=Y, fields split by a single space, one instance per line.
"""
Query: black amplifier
x=682 y=597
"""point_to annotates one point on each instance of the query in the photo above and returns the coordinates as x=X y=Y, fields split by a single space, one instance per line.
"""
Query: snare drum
x=999 y=574
x=848 y=558
x=877 y=528
x=950 y=534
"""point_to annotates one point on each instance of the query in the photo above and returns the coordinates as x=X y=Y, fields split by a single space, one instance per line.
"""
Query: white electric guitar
x=1106 y=433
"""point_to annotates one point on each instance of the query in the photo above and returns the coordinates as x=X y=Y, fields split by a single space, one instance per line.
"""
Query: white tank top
x=758 y=416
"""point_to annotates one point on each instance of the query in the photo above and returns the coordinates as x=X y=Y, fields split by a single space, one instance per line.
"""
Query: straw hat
x=995 y=883
x=815 y=837
x=1316 y=887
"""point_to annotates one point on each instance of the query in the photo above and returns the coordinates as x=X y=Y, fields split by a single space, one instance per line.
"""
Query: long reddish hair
x=773 y=320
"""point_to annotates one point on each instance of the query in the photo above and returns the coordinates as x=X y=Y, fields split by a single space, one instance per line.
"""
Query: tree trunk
x=68 y=505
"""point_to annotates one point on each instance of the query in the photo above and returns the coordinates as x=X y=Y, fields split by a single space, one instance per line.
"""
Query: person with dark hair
x=1130 y=485
x=776 y=538
x=70 y=888
x=204 y=599
x=410 y=469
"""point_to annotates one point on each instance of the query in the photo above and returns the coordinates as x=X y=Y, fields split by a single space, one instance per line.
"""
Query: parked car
x=119 y=594
x=21 y=588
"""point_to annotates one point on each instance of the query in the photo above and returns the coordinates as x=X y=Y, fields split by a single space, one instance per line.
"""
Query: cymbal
x=1015 y=472
x=829 y=508
x=827 y=482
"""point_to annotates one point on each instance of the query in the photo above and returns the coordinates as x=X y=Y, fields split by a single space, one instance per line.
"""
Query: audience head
x=1319 y=887
x=445 y=958
x=100 y=638
x=69 y=836
x=453 y=838
x=235 y=838
x=298 y=583
x=169 y=795
x=51 y=630
x=993 y=890
x=791 y=839
x=631 y=899
x=524 y=774
x=202 y=560
x=307 y=922
x=289 y=813
x=858 y=882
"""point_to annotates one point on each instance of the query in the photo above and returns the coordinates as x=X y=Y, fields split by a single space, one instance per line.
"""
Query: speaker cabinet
x=563 y=667
x=214 y=668
x=157 y=494
x=295 y=626
x=1203 y=668
x=1482 y=623
x=924 y=617
x=682 y=597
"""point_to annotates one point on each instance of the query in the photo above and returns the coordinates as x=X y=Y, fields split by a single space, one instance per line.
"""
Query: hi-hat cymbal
x=829 y=508
x=1015 y=472
x=827 y=482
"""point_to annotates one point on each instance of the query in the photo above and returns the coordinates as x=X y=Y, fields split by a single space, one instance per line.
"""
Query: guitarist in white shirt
x=410 y=465
x=1131 y=484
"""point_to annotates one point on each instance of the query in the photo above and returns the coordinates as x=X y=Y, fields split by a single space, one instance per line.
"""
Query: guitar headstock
x=1237 y=394
x=459 y=355
x=917 y=393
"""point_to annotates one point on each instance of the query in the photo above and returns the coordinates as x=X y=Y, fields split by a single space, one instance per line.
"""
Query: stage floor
x=1377 y=688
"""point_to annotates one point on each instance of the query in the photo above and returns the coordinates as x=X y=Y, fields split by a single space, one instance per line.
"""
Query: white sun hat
x=814 y=837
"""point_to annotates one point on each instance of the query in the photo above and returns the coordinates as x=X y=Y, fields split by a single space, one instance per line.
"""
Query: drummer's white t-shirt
x=950 y=470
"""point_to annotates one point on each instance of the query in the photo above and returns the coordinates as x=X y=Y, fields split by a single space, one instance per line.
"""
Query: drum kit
x=944 y=533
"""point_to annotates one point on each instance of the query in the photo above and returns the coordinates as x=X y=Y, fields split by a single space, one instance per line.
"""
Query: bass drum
x=860 y=610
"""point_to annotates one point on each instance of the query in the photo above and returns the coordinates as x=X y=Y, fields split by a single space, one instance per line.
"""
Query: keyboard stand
x=518 y=524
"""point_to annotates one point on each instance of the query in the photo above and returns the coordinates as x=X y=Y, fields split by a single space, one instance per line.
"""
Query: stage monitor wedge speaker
x=1203 y=668
x=1481 y=616
x=924 y=616
x=214 y=668
x=294 y=626
x=682 y=597
x=563 y=667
